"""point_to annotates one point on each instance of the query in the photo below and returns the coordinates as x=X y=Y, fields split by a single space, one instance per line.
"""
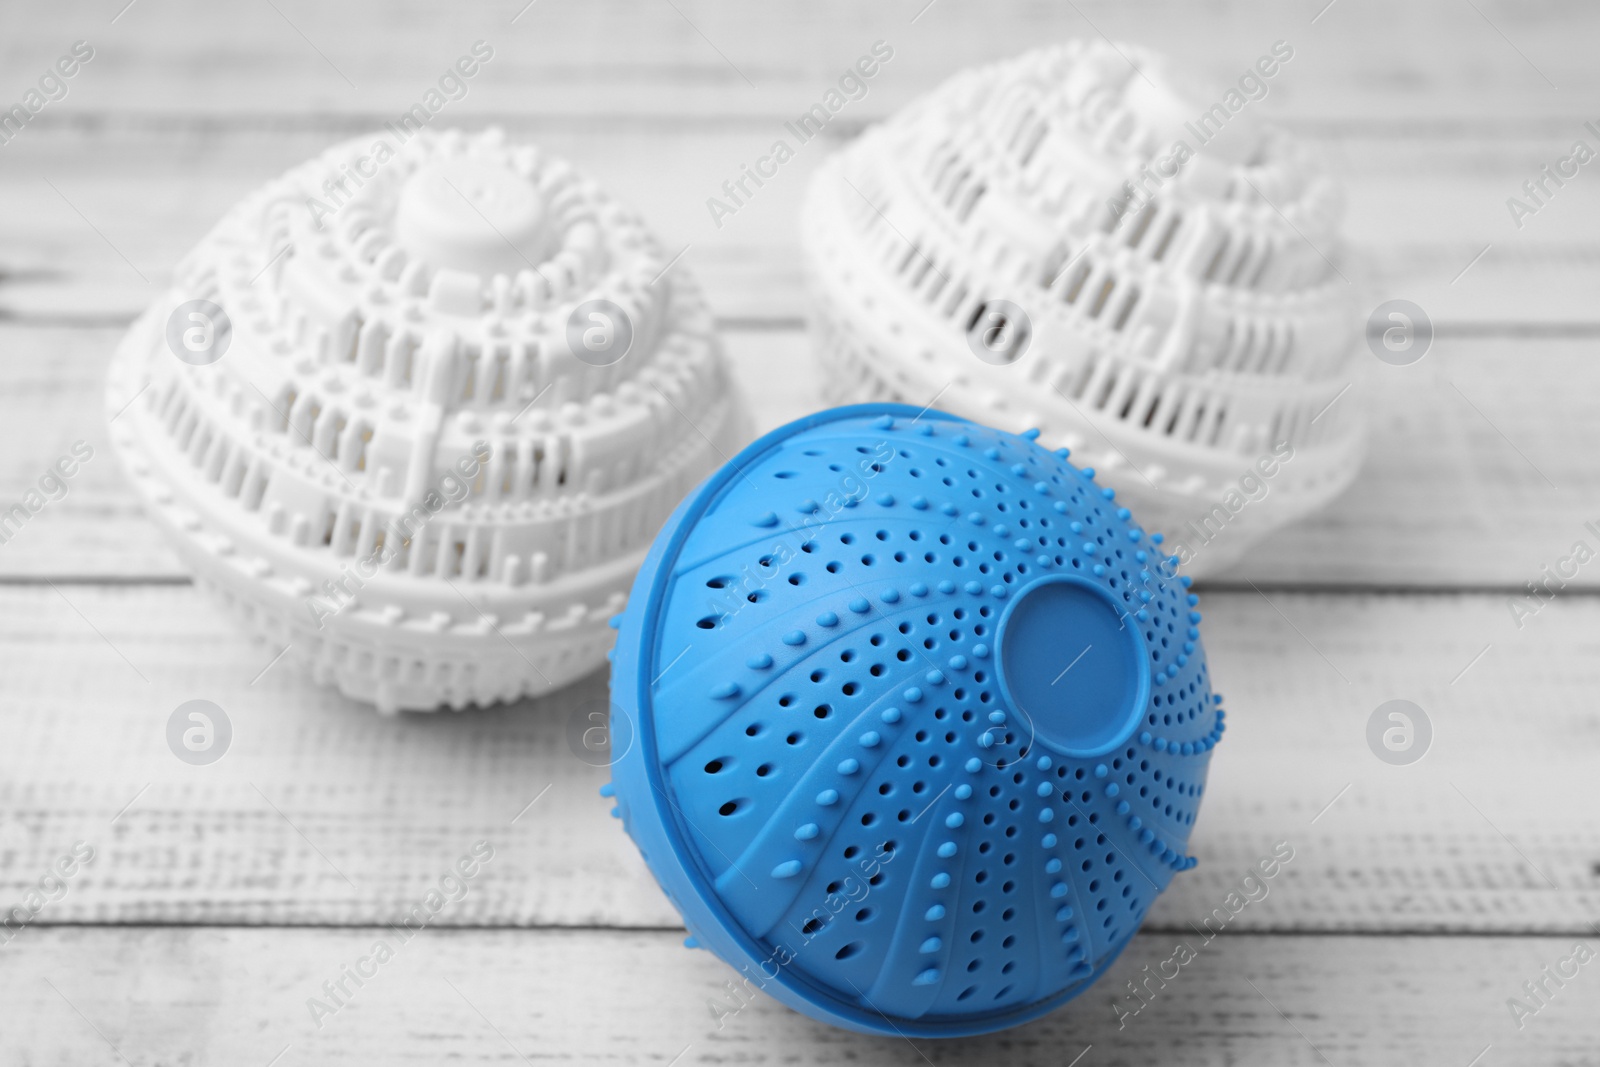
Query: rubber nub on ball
x=444 y=212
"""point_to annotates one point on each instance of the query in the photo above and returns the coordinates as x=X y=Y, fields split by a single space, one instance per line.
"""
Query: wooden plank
x=1359 y=60
x=1453 y=491
x=75 y=250
x=93 y=996
x=321 y=812
x=322 y=815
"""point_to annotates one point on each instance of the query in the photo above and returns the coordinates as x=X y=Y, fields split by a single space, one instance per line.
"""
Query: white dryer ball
x=1029 y=246
x=415 y=410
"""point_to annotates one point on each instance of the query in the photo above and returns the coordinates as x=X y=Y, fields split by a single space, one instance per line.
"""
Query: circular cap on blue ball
x=921 y=721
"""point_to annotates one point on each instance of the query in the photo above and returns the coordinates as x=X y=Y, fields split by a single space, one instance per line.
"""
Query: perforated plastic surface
x=379 y=419
x=1027 y=245
x=913 y=727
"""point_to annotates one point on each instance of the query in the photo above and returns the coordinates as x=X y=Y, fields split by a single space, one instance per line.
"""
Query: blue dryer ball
x=920 y=721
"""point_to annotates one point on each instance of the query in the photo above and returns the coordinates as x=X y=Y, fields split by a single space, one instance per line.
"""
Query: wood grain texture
x=1428 y=62
x=321 y=812
x=663 y=102
x=239 y=997
x=1452 y=494
x=1420 y=898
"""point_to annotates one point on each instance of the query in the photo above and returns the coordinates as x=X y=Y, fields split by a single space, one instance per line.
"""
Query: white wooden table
x=220 y=898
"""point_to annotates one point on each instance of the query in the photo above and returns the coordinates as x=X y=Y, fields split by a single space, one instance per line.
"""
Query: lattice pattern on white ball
x=1176 y=334
x=398 y=468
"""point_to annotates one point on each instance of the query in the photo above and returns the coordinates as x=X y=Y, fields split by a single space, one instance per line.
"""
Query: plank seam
x=1220 y=587
x=1162 y=929
x=1510 y=329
